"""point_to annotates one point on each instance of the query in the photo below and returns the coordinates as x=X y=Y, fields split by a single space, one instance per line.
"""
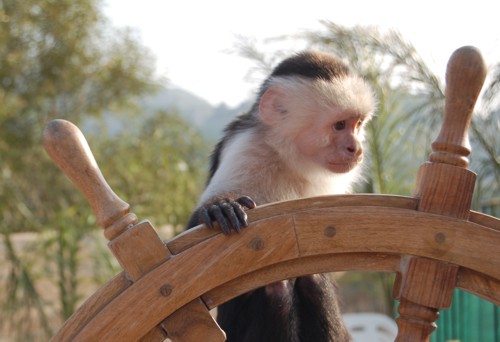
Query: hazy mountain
x=208 y=119
x=193 y=108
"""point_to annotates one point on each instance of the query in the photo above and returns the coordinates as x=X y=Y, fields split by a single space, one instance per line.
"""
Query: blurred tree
x=57 y=59
x=485 y=141
x=159 y=170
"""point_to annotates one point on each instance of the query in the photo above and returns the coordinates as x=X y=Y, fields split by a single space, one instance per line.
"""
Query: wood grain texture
x=195 y=235
x=479 y=284
x=139 y=249
x=372 y=262
x=92 y=305
x=67 y=147
x=465 y=75
x=444 y=186
x=389 y=230
x=193 y=323
x=445 y=189
x=269 y=247
x=188 y=275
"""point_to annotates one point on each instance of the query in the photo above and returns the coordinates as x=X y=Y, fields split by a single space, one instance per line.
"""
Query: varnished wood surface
x=194 y=236
x=283 y=240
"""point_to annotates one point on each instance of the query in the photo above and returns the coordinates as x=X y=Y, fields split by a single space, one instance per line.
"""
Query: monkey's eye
x=339 y=125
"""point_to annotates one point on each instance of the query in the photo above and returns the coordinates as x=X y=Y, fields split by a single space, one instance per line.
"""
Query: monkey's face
x=319 y=127
x=333 y=141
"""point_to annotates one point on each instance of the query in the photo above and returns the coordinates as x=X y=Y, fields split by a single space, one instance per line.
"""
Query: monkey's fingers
x=229 y=209
x=205 y=217
x=242 y=216
x=239 y=212
x=216 y=212
x=246 y=201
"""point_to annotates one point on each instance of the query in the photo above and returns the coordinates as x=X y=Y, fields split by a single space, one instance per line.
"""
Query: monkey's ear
x=271 y=106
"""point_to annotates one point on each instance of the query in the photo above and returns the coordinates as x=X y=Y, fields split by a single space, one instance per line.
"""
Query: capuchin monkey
x=301 y=138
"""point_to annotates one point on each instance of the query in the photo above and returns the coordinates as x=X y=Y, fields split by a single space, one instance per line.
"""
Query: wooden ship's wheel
x=432 y=241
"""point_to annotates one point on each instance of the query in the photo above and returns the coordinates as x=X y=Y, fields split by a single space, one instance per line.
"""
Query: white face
x=332 y=140
x=318 y=123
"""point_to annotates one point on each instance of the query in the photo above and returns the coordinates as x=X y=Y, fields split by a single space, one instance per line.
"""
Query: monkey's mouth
x=341 y=167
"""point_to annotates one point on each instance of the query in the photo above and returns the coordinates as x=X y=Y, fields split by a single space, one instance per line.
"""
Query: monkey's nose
x=355 y=150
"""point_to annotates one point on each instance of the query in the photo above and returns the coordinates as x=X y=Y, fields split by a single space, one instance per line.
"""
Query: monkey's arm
x=229 y=213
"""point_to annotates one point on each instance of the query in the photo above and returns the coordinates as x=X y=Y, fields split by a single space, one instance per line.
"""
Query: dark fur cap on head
x=311 y=64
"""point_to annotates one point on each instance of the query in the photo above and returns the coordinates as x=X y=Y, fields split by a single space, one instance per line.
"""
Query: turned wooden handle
x=465 y=75
x=67 y=146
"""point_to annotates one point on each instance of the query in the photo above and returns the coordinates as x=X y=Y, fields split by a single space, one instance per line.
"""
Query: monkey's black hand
x=229 y=213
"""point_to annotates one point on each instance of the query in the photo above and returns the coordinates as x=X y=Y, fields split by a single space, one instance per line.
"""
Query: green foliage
x=486 y=163
x=57 y=59
x=20 y=297
x=61 y=59
x=159 y=170
x=485 y=141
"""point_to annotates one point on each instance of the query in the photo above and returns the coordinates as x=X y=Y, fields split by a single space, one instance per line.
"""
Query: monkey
x=302 y=137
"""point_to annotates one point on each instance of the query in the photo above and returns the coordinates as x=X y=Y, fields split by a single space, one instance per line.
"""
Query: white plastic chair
x=371 y=327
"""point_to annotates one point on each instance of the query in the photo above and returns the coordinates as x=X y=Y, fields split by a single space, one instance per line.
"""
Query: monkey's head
x=314 y=110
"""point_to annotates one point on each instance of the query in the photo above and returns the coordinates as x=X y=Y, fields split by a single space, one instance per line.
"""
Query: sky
x=191 y=39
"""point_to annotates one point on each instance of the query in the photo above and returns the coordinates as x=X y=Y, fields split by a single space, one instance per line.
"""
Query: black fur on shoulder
x=238 y=125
